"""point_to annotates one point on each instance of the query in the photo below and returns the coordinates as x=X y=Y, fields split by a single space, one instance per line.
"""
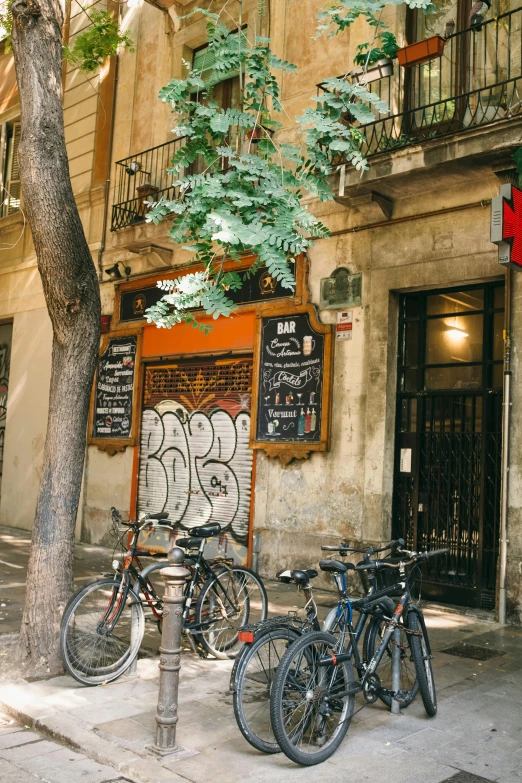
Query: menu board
x=114 y=389
x=290 y=380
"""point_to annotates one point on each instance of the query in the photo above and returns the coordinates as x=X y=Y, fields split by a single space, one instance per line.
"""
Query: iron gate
x=448 y=441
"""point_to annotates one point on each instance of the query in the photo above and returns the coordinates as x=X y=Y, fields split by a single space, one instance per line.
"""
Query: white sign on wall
x=344 y=327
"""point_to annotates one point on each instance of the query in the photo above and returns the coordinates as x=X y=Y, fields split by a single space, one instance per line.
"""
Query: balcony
x=477 y=82
x=142 y=178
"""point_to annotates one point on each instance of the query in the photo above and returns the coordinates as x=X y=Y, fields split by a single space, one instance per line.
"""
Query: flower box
x=422 y=51
x=378 y=70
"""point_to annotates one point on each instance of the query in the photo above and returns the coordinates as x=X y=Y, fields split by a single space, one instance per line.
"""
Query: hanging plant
x=100 y=40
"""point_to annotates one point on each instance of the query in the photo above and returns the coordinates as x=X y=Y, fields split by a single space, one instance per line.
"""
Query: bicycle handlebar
x=371 y=550
x=414 y=558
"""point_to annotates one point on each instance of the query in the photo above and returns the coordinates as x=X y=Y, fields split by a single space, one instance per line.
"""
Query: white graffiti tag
x=197 y=468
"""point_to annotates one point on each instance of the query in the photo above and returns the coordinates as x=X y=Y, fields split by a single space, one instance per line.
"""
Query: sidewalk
x=478 y=728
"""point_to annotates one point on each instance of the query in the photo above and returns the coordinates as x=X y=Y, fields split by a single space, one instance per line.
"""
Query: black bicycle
x=104 y=623
x=313 y=694
x=265 y=644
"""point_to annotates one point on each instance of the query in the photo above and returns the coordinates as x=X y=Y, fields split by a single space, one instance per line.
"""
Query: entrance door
x=194 y=457
x=448 y=437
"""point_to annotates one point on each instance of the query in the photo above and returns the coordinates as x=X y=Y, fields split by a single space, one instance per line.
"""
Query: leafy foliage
x=236 y=198
x=97 y=42
x=367 y=56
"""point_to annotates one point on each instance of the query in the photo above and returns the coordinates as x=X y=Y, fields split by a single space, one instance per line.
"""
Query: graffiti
x=196 y=466
x=4 y=388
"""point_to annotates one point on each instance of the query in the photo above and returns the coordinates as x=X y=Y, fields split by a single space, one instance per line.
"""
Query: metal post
x=170 y=653
x=132 y=671
x=396 y=669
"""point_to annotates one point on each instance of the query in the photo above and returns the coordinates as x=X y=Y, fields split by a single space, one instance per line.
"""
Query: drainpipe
x=505 y=452
x=109 y=167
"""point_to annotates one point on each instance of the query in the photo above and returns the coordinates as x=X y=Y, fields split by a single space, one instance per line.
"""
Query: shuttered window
x=204 y=60
x=195 y=461
x=9 y=168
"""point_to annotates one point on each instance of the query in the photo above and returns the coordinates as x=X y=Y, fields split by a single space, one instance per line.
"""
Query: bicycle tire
x=299 y=672
x=254 y=687
x=422 y=661
x=210 y=605
x=409 y=684
x=85 y=652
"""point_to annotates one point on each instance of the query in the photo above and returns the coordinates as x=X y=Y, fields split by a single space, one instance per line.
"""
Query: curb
x=58 y=726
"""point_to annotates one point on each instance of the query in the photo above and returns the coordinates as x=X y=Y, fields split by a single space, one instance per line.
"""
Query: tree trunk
x=73 y=300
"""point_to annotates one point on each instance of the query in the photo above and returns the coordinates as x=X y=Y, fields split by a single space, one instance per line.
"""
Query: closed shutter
x=195 y=461
x=204 y=60
x=13 y=186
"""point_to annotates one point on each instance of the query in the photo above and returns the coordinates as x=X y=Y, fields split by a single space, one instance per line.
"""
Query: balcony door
x=474 y=82
x=448 y=438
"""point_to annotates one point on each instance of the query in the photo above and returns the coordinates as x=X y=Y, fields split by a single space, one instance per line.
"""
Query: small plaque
x=405 y=466
x=341 y=289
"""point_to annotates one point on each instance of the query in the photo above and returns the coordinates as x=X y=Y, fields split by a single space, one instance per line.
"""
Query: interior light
x=457 y=334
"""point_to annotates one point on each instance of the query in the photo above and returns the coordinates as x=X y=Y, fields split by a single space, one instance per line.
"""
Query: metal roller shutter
x=194 y=457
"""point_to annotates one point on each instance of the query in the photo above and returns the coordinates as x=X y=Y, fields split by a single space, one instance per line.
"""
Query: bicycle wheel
x=422 y=660
x=234 y=597
x=254 y=676
x=311 y=706
x=409 y=686
x=96 y=639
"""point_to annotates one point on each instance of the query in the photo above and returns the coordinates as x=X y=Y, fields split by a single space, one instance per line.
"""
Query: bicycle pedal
x=401 y=697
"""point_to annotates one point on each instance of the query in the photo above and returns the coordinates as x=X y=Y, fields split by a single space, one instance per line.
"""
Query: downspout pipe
x=506 y=405
x=109 y=168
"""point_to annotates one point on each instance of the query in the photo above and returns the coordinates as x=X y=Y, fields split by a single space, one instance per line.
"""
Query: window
x=226 y=92
x=10 y=187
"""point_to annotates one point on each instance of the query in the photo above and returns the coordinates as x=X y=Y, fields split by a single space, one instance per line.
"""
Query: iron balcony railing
x=476 y=82
x=142 y=178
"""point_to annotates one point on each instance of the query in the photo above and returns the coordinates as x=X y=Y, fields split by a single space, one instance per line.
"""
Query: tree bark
x=72 y=295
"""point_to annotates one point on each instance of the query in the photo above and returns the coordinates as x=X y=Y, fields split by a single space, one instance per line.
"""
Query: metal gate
x=448 y=438
x=194 y=457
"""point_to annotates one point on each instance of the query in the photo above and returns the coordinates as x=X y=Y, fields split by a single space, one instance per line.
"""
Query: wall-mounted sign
x=112 y=419
x=259 y=287
x=341 y=289
x=506 y=225
x=292 y=387
x=344 y=326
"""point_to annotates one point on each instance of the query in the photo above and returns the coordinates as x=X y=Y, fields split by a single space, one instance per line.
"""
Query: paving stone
x=13 y=739
x=34 y=749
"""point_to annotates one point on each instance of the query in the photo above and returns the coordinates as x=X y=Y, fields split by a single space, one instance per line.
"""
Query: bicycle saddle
x=335 y=566
x=187 y=543
x=205 y=531
x=297 y=576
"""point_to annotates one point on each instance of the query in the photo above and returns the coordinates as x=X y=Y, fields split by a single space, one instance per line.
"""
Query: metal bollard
x=170 y=653
x=396 y=669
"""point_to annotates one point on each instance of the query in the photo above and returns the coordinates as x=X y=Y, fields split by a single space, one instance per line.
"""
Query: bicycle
x=313 y=694
x=265 y=644
x=103 y=624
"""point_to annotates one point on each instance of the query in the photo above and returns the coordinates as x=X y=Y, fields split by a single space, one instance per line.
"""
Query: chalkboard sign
x=291 y=380
x=114 y=386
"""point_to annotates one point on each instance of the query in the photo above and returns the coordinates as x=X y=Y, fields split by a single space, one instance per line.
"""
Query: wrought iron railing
x=143 y=178
x=477 y=81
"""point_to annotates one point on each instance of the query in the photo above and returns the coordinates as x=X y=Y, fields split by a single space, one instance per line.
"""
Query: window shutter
x=3 y=167
x=204 y=60
x=13 y=172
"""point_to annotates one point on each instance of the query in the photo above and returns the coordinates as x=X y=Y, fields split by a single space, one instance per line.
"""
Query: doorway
x=194 y=459
x=448 y=437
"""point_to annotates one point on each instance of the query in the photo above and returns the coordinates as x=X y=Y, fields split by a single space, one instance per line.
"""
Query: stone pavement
x=478 y=728
x=28 y=757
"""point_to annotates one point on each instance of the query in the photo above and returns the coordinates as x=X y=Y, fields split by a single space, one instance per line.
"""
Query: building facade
x=407 y=288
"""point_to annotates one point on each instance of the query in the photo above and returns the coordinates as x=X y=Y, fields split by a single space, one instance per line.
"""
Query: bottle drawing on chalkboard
x=313 y=421
x=312 y=398
x=301 y=423
x=277 y=398
x=308 y=420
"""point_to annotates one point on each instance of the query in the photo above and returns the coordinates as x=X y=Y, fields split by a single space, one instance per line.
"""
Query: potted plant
x=375 y=63
x=421 y=51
